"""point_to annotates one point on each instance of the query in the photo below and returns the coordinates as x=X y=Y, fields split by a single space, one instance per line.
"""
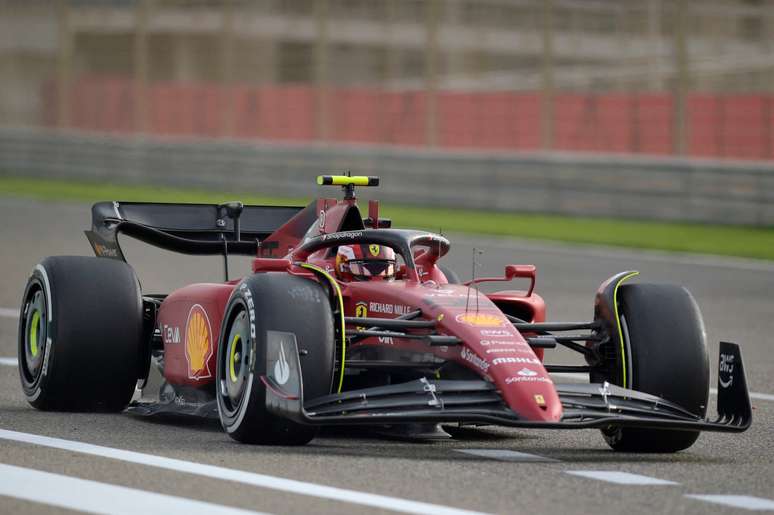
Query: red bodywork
x=190 y=318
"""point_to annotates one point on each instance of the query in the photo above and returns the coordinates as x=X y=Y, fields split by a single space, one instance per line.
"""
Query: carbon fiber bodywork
x=478 y=402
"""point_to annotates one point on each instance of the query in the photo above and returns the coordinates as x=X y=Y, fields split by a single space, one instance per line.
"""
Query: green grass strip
x=742 y=241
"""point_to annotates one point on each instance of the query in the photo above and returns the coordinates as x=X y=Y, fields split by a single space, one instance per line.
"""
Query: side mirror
x=270 y=265
x=522 y=271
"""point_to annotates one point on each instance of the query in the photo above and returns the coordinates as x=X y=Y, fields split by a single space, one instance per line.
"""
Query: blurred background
x=428 y=86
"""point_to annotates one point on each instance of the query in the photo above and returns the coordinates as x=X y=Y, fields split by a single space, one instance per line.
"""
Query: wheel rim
x=235 y=368
x=234 y=363
x=35 y=336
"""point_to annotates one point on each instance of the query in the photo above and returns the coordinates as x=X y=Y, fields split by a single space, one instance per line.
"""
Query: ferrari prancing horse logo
x=198 y=343
x=361 y=311
x=374 y=250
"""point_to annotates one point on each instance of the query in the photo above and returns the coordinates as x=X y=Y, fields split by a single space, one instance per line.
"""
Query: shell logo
x=480 y=320
x=198 y=343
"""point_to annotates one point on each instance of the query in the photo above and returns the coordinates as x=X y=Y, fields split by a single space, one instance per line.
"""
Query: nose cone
x=527 y=388
x=517 y=372
x=493 y=347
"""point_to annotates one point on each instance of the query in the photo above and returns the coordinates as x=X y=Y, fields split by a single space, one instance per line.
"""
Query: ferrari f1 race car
x=344 y=320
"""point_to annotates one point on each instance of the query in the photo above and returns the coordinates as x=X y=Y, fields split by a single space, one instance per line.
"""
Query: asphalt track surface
x=178 y=465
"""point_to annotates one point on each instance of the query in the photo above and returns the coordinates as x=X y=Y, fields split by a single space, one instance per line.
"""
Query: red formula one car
x=344 y=320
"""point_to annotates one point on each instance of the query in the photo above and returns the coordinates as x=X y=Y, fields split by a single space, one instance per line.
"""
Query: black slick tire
x=80 y=334
x=666 y=338
x=262 y=303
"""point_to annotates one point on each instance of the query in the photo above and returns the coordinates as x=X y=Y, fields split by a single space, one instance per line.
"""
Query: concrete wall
x=660 y=189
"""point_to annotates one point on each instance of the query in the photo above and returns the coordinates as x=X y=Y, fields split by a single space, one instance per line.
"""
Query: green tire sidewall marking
x=232 y=358
x=336 y=288
x=32 y=339
x=620 y=333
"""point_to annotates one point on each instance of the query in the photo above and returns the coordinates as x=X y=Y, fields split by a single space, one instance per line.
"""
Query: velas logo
x=198 y=343
x=480 y=320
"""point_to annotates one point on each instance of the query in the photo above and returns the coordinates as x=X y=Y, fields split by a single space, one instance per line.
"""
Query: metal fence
x=595 y=107
x=660 y=77
x=574 y=184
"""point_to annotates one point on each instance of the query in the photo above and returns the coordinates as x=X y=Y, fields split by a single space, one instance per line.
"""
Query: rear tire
x=80 y=334
x=667 y=341
x=271 y=302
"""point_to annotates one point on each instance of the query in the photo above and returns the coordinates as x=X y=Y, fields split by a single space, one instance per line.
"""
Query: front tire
x=668 y=357
x=263 y=303
x=80 y=334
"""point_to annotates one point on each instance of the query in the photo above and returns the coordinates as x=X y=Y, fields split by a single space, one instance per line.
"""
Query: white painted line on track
x=753 y=395
x=9 y=362
x=291 y=486
x=762 y=396
x=507 y=455
x=9 y=313
x=93 y=497
x=620 y=478
x=737 y=501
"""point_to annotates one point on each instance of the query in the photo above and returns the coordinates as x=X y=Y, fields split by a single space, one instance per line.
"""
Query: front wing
x=478 y=402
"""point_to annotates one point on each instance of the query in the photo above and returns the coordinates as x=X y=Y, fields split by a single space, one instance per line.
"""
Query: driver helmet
x=365 y=262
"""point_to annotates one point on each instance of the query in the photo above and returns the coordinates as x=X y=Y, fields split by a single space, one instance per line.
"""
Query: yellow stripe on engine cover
x=344 y=180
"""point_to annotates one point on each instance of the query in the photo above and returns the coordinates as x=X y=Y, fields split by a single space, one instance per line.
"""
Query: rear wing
x=197 y=229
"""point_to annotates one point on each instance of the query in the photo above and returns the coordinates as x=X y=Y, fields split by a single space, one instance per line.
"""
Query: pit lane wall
x=572 y=184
